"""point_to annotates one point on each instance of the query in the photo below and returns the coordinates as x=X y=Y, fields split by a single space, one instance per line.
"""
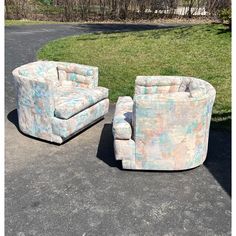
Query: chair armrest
x=35 y=94
x=122 y=121
x=84 y=75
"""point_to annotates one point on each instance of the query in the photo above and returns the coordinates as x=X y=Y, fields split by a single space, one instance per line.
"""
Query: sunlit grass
x=202 y=51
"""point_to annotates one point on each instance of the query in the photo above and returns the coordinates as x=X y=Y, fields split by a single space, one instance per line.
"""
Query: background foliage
x=73 y=10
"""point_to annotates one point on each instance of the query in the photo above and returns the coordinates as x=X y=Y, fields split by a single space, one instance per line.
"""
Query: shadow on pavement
x=13 y=118
x=105 y=150
x=218 y=160
x=221 y=121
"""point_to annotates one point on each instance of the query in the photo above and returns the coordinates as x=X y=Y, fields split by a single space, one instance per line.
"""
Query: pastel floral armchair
x=55 y=100
x=166 y=126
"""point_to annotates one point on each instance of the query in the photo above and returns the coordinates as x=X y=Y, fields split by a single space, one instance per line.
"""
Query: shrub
x=225 y=16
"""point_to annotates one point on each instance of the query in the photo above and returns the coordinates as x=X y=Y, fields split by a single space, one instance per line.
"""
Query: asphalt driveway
x=79 y=189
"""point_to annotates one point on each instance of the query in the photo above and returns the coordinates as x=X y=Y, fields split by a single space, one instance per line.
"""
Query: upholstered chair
x=166 y=125
x=56 y=100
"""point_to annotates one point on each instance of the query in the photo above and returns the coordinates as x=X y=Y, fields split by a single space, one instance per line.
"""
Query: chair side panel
x=35 y=107
x=169 y=134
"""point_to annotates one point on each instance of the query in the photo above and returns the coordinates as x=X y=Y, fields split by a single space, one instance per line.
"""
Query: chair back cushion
x=84 y=76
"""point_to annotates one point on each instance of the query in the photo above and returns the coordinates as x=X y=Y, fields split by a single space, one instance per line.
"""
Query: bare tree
x=72 y=10
x=213 y=6
x=19 y=8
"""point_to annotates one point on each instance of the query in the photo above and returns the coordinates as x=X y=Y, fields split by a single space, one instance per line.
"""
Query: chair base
x=61 y=130
x=153 y=166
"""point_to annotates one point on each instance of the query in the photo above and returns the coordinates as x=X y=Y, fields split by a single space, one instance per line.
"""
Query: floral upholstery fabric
x=40 y=95
x=66 y=128
x=170 y=129
x=154 y=85
x=39 y=69
x=72 y=100
x=125 y=151
x=83 y=75
x=86 y=77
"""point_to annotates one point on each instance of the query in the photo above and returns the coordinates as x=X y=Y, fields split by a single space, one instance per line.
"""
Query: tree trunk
x=6 y=10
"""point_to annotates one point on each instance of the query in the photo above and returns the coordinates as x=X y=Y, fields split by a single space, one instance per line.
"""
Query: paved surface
x=79 y=189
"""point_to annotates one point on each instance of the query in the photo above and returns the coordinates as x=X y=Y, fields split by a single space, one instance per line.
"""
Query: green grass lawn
x=202 y=51
x=28 y=22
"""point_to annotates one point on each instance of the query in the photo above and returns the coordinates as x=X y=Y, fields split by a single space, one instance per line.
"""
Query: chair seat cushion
x=70 y=100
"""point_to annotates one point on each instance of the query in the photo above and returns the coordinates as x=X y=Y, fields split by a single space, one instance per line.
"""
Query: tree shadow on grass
x=226 y=30
x=96 y=36
x=111 y=28
x=108 y=29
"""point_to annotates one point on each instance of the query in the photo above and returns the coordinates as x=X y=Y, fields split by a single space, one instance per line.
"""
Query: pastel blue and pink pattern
x=55 y=100
x=71 y=101
x=170 y=120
